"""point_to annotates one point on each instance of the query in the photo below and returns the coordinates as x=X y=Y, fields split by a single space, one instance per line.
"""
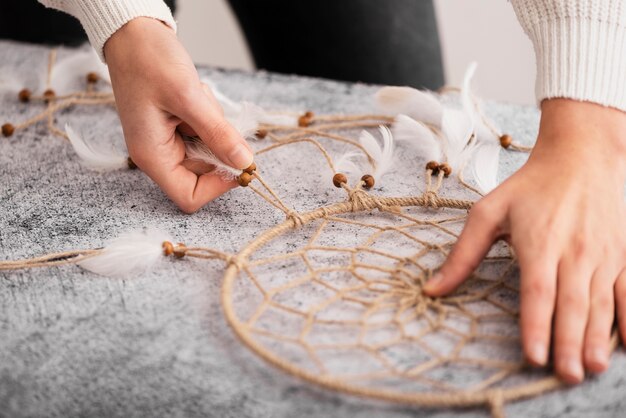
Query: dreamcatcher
x=334 y=295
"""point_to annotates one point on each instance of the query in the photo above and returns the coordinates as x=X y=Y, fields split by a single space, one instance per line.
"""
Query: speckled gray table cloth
x=76 y=344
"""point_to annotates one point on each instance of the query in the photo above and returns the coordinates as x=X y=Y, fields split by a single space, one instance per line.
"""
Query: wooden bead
x=8 y=129
x=180 y=250
x=303 y=121
x=506 y=141
x=24 y=95
x=244 y=179
x=445 y=167
x=131 y=164
x=92 y=77
x=48 y=95
x=368 y=181
x=339 y=179
x=168 y=248
x=251 y=169
x=433 y=166
x=306 y=119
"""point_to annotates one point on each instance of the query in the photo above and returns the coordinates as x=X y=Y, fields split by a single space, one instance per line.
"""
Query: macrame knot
x=179 y=250
x=356 y=198
x=234 y=260
x=420 y=304
x=295 y=217
x=431 y=199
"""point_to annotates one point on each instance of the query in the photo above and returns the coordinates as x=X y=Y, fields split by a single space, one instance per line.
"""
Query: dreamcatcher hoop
x=494 y=398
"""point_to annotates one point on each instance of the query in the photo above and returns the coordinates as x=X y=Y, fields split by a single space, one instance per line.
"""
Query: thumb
x=207 y=120
x=473 y=244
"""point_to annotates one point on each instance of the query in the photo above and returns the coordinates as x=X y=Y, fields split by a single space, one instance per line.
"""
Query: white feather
x=419 y=136
x=466 y=92
x=250 y=115
x=485 y=167
x=95 y=158
x=246 y=122
x=230 y=107
x=277 y=118
x=482 y=132
x=234 y=110
x=347 y=165
x=197 y=150
x=420 y=105
x=371 y=145
x=68 y=74
x=457 y=130
x=383 y=156
x=130 y=253
x=243 y=116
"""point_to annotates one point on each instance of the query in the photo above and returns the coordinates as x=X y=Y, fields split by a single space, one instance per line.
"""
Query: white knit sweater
x=580 y=44
x=102 y=18
x=580 y=47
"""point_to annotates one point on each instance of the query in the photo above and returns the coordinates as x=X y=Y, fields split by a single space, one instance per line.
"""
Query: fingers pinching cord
x=186 y=189
x=220 y=136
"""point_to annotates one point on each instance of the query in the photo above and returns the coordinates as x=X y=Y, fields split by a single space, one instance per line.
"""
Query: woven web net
x=340 y=301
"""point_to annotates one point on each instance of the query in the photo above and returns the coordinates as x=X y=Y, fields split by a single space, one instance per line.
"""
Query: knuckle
x=595 y=337
x=218 y=128
x=221 y=134
x=183 y=95
x=573 y=299
x=482 y=210
x=188 y=206
x=580 y=248
x=603 y=301
x=539 y=289
x=568 y=345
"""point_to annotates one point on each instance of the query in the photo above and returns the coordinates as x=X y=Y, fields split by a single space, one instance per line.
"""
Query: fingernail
x=599 y=357
x=574 y=370
x=538 y=353
x=240 y=157
x=433 y=282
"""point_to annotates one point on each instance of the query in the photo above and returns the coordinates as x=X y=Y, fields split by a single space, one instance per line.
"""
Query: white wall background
x=482 y=30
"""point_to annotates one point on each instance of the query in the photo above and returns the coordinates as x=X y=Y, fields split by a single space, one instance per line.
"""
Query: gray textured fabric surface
x=76 y=344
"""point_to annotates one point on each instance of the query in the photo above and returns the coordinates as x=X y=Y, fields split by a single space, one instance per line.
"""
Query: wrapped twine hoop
x=485 y=394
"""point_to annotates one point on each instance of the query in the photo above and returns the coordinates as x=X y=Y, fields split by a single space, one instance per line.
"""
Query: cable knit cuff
x=102 y=18
x=580 y=47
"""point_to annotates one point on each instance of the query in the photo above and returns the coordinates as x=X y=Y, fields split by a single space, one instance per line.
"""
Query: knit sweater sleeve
x=102 y=18
x=580 y=47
